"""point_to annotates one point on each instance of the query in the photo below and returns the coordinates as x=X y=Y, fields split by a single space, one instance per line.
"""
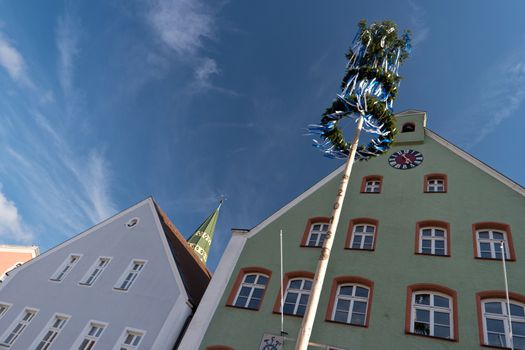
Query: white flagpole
x=282 y=292
x=507 y=293
x=306 y=327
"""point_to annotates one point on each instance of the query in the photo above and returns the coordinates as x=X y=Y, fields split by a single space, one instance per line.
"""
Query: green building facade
x=416 y=261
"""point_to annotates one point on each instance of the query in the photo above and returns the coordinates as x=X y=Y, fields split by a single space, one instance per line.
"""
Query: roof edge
x=476 y=162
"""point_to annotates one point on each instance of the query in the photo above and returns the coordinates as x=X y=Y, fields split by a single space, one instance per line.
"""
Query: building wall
x=156 y=293
x=473 y=196
x=11 y=256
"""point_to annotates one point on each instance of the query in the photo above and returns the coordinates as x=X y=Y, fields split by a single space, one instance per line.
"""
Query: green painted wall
x=473 y=196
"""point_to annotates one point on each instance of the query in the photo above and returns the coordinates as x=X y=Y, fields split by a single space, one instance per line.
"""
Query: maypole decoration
x=369 y=89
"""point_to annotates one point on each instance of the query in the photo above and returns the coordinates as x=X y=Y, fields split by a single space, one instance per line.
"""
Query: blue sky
x=103 y=103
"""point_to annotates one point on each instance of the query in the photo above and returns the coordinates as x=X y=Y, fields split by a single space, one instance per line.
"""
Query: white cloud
x=67 y=43
x=420 y=29
x=12 y=227
x=204 y=71
x=181 y=24
x=12 y=61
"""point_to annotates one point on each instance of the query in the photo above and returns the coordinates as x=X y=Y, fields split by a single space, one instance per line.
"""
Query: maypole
x=369 y=89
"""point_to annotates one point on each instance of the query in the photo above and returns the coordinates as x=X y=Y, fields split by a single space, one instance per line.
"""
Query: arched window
x=432 y=238
x=315 y=232
x=362 y=234
x=493 y=314
x=350 y=300
x=432 y=311
x=436 y=183
x=372 y=184
x=488 y=237
x=249 y=288
x=298 y=285
x=408 y=127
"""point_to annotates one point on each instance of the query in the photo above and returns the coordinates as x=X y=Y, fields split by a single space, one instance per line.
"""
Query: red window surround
x=494 y=226
x=435 y=176
x=432 y=223
x=309 y=223
x=359 y=221
x=349 y=279
x=499 y=294
x=372 y=178
x=433 y=288
x=287 y=277
x=235 y=288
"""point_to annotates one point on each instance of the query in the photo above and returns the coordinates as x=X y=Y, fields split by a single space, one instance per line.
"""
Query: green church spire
x=200 y=241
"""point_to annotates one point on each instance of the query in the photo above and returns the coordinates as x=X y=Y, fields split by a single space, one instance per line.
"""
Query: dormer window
x=408 y=127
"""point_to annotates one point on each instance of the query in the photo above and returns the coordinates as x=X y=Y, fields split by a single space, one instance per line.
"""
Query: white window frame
x=494 y=243
x=129 y=270
x=433 y=238
x=50 y=328
x=95 y=271
x=503 y=317
x=4 y=308
x=436 y=185
x=352 y=299
x=19 y=325
x=120 y=343
x=432 y=309
x=253 y=286
x=320 y=234
x=85 y=334
x=373 y=186
x=300 y=292
x=363 y=235
x=65 y=268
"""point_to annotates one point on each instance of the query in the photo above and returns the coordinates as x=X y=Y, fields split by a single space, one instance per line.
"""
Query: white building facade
x=130 y=282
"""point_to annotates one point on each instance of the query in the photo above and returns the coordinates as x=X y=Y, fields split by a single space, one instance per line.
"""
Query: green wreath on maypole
x=369 y=88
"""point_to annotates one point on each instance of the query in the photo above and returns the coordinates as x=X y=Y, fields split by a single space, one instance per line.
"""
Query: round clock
x=405 y=159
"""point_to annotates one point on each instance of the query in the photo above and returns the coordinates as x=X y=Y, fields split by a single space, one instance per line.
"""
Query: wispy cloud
x=12 y=61
x=204 y=71
x=181 y=24
x=67 y=43
x=503 y=93
x=418 y=20
x=12 y=227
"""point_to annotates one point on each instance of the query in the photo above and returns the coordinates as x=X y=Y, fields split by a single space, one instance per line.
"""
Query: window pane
x=358 y=319
x=307 y=285
x=497 y=339
x=303 y=300
x=262 y=280
x=241 y=301
x=516 y=310
x=254 y=303
x=440 y=244
x=498 y=236
x=300 y=310
x=518 y=342
x=439 y=233
x=483 y=234
x=295 y=284
x=346 y=290
x=423 y=299
x=341 y=316
x=368 y=242
x=359 y=228
x=426 y=243
x=441 y=318
x=495 y=325
x=439 y=251
x=343 y=304
x=288 y=308
x=493 y=308
x=359 y=307
x=245 y=291
x=422 y=315
x=357 y=241
x=361 y=292
x=291 y=298
x=518 y=328
x=421 y=328
x=257 y=293
x=442 y=331
x=426 y=232
x=316 y=227
x=370 y=229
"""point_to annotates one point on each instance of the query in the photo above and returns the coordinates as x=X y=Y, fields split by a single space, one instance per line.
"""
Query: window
x=436 y=183
x=361 y=234
x=350 y=300
x=372 y=184
x=54 y=328
x=488 y=237
x=432 y=238
x=95 y=271
x=251 y=291
x=315 y=232
x=130 y=275
x=131 y=339
x=296 y=296
x=493 y=313
x=65 y=268
x=91 y=335
x=432 y=311
x=18 y=327
x=3 y=309
x=408 y=127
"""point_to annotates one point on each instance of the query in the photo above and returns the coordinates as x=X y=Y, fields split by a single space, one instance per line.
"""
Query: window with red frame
x=317 y=234
x=435 y=183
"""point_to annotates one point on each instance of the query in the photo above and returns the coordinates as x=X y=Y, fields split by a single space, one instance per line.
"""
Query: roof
x=201 y=239
x=193 y=271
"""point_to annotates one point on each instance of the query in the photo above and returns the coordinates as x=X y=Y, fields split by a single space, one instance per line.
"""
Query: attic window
x=132 y=222
x=408 y=127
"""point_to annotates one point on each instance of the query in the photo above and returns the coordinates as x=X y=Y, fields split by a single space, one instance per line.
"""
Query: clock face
x=405 y=159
